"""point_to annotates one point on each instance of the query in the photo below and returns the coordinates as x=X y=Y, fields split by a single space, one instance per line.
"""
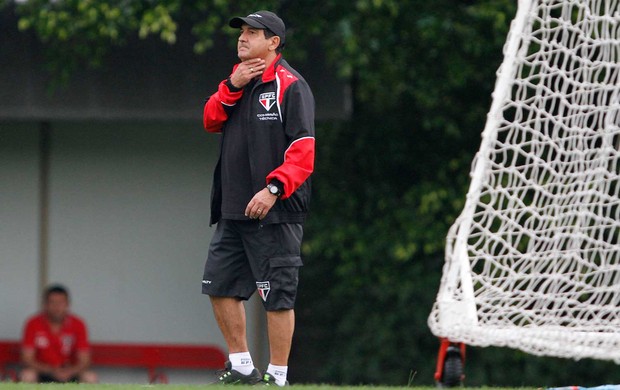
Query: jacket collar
x=270 y=73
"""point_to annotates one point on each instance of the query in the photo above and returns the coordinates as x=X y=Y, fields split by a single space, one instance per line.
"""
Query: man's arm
x=82 y=351
x=29 y=360
x=29 y=351
x=217 y=108
x=298 y=162
x=81 y=365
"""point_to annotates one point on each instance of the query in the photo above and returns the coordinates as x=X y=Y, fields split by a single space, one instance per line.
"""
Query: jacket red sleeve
x=217 y=107
x=298 y=165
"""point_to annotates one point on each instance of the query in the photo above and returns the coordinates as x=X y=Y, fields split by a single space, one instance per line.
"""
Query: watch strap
x=275 y=185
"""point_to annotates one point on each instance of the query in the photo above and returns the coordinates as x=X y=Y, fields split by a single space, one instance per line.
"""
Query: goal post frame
x=458 y=270
x=562 y=146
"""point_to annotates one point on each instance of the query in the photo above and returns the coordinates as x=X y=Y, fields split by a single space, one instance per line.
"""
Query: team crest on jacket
x=267 y=100
x=263 y=289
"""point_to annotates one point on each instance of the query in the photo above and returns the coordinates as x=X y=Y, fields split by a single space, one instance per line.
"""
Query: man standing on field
x=261 y=190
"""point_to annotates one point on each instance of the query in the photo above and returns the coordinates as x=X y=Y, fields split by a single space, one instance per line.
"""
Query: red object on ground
x=152 y=357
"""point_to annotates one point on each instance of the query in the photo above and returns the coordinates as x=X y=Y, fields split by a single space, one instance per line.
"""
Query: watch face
x=273 y=189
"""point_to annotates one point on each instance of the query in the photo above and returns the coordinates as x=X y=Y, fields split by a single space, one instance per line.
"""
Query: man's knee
x=28 y=375
x=88 y=377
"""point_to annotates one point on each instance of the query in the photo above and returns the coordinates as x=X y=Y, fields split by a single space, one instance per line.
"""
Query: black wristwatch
x=274 y=189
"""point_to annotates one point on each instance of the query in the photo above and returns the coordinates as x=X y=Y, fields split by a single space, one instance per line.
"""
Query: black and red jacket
x=277 y=113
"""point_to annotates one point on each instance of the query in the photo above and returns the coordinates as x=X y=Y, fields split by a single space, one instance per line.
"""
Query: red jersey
x=56 y=349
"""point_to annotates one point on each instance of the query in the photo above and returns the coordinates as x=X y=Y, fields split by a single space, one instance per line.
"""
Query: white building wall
x=18 y=225
x=128 y=229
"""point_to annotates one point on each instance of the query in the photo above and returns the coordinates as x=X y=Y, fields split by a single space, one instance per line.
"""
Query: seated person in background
x=55 y=347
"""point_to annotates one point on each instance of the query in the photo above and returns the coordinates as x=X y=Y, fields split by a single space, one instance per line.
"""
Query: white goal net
x=533 y=261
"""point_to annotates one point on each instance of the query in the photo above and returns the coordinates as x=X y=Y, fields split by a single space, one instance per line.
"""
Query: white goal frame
x=533 y=260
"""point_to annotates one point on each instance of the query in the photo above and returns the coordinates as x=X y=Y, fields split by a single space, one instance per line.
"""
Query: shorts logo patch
x=263 y=289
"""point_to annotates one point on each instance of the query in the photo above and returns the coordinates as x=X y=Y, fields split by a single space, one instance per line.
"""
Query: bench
x=152 y=357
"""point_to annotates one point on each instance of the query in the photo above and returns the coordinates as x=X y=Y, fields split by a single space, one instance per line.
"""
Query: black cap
x=262 y=19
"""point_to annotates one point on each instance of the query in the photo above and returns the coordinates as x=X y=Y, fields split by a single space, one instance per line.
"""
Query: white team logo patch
x=267 y=100
x=41 y=341
x=263 y=289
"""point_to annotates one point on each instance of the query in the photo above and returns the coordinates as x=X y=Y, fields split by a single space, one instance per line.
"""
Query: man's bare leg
x=280 y=325
x=230 y=316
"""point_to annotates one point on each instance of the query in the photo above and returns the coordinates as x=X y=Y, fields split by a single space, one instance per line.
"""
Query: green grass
x=72 y=386
x=22 y=386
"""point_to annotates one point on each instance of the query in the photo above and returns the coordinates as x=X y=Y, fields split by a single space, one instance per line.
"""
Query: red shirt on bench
x=56 y=349
x=55 y=346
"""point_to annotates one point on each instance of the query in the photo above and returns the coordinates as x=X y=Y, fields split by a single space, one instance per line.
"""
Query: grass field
x=21 y=386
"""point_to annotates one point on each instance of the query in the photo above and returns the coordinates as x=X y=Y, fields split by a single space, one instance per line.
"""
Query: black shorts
x=44 y=378
x=246 y=256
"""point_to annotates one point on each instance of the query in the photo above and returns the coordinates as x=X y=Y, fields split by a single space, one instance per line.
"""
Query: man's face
x=252 y=43
x=56 y=307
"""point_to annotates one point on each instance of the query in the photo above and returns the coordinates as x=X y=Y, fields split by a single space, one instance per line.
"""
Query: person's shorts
x=246 y=256
x=44 y=378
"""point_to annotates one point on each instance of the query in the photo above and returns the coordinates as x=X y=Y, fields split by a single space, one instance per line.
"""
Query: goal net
x=533 y=260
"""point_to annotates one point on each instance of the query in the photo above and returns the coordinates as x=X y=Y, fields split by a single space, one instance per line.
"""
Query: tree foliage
x=422 y=88
x=79 y=33
x=389 y=182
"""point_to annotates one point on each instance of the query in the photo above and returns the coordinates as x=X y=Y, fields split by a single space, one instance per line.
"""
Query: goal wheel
x=452 y=368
